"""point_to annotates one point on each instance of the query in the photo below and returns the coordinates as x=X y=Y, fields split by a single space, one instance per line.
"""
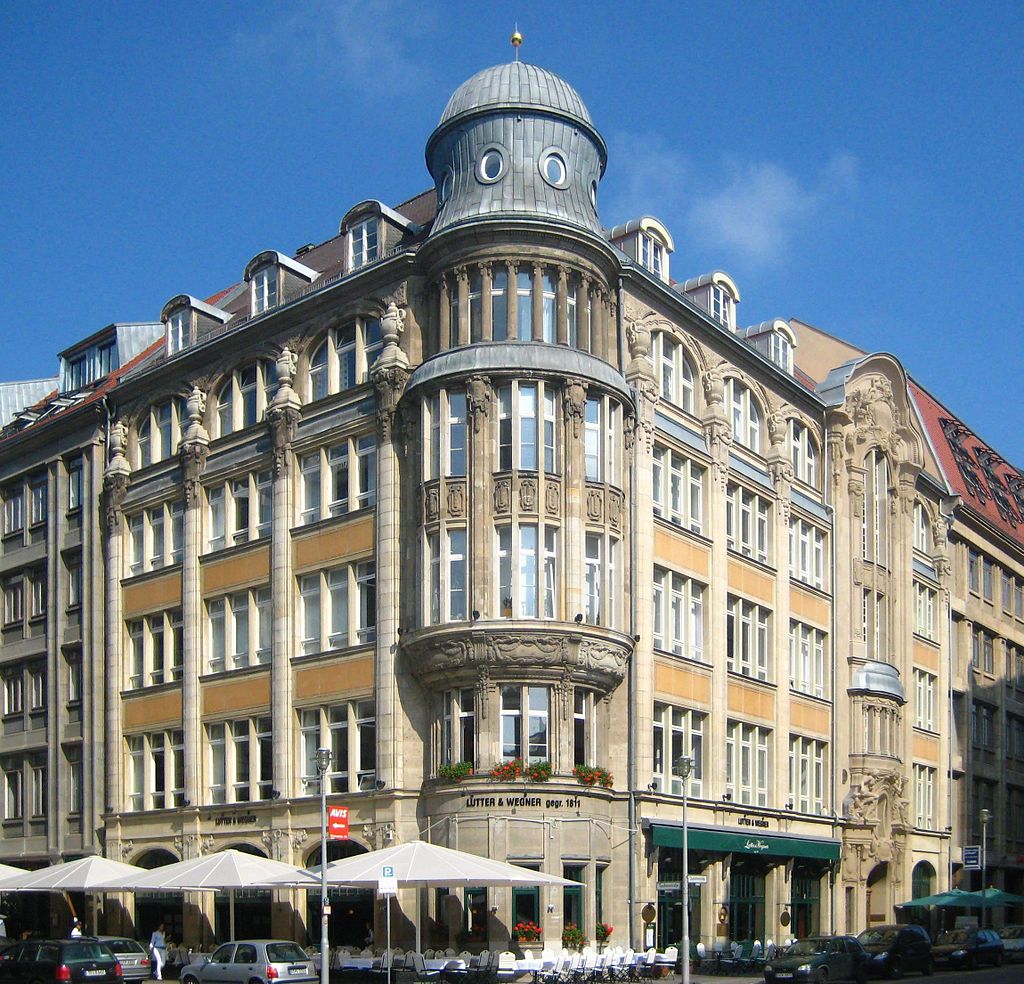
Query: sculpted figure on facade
x=478 y=400
x=574 y=404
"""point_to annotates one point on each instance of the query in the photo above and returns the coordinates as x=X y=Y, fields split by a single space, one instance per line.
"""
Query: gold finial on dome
x=516 y=40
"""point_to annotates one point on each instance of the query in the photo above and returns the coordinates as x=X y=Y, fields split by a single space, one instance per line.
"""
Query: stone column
x=718 y=436
x=537 y=296
x=513 y=300
x=584 y=308
x=193 y=451
x=486 y=326
x=283 y=416
x=479 y=397
x=390 y=374
x=574 y=398
x=562 y=307
x=115 y=487
x=444 y=313
x=462 y=286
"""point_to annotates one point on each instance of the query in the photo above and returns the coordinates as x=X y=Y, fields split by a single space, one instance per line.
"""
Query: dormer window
x=264 y=289
x=88 y=366
x=722 y=305
x=178 y=330
x=781 y=351
x=652 y=255
x=363 y=243
x=773 y=339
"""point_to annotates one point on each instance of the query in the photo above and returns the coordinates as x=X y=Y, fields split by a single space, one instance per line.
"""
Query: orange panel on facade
x=808 y=717
x=807 y=607
x=679 y=553
x=749 y=701
x=237 y=695
x=751 y=582
x=153 y=595
x=678 y=681
x=252 y=567
x=926 y=749
x=153 y=711
x=334 y=679
x=926 y=656
x=335 y=545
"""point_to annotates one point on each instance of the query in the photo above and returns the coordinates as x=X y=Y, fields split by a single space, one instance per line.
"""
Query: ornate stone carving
x=117 y=446
x=431 y=504
x=282 y=420
x=478 y=400
x=127 y=849
x=277 y=843
x=455 y=500
x=192 y=457
x=503 y=496
x=778 y=427
x=115 y=488
x=713 y=381
x=537 y=649
x=528 y=495
x=601 y=655
x=195 y=407
x=552 y=498
x=595 y=505
x=392 y=324
x=389 y=382
x=616 y=504
x=574 y=404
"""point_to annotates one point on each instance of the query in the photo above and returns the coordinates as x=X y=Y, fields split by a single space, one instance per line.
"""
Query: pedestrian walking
x=76 y=926
x=158 y=951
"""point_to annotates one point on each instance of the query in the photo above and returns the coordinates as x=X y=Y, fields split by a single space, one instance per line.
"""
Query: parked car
x=133 y=956
x=819 y=958
x=967 y=948
x=1013 y=942
x=74 y=961
x=896 y=949
x=251 y=962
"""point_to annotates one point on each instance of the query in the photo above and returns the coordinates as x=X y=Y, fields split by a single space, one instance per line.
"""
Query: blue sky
x=857 y=166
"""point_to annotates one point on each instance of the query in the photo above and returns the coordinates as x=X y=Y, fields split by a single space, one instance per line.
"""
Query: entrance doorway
x=805 y=902
x=878 y=894
x=252 y=908
x=153 y=908
x=746 y=903
x=351 y=920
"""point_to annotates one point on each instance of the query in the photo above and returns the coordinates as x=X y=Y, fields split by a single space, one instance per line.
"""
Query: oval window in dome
x=446 y=184
x=553 y=169
x=492 y=165
x=593 y=194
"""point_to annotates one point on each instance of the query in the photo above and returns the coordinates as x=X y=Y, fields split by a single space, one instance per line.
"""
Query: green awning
x=737 y=842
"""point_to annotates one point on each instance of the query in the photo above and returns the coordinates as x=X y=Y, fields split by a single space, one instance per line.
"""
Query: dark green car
x=819 y=959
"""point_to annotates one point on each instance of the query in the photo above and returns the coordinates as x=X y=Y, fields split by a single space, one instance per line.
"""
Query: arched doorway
x=252 y=908
x=351 y=919
x=922 y=884
x=153 y=908
x=878 y=907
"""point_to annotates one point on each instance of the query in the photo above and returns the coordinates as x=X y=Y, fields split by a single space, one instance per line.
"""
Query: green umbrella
x=996 y=896
x=942 y=898
x=968 y=900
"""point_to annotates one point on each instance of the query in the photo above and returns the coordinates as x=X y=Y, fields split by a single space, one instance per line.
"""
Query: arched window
x=922 y=534
x=675 y=374
x=344 y=358
x=159 y=432
x=874 y=527
x=745 y=415
x=242 y=398
x=922 y=880
x=803 y=453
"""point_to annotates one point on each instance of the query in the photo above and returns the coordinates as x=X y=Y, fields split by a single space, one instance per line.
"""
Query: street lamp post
x=985 y=816
x=323 y=763
x=683 y=767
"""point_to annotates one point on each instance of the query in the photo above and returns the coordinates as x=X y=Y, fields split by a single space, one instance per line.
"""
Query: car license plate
x=784 y=976
x=95 y=973
x=298 y=969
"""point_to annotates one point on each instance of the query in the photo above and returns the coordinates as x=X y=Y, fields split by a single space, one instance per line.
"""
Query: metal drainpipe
x=631 y=680
x=833 y=756
x=949 y=519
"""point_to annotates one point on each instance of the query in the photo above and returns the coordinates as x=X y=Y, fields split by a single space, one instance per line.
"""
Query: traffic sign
x=337 y=823
x=972 y=857
x=697 y=879
x=387 y=883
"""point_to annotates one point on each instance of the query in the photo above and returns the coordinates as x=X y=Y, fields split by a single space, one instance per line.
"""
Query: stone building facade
x=476 y=495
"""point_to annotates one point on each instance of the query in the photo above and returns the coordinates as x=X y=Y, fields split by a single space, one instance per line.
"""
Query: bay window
x=601 y=573
x=527 y=557
x=445 y=434
x=458 y=739
x=601 y=430
x=525 y=713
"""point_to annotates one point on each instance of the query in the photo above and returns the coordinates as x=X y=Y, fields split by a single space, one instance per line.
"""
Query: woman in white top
x=158 y=951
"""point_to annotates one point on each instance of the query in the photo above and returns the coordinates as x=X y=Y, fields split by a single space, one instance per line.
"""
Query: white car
x=1013 y=942
x=252 y=962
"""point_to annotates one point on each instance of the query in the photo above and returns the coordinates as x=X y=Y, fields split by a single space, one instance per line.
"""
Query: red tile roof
x=989 y=486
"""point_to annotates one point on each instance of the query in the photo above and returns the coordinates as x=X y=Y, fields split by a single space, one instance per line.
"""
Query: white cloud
x=750 y=212
x=762 y=206
x=373 y=47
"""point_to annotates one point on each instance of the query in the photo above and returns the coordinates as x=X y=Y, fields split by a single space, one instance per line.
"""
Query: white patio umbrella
x=89 y=874
x=420 y=864
x=9 y=871
x=225 y=870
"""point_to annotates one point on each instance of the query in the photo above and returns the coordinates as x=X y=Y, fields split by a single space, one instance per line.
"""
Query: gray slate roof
x=516 y=84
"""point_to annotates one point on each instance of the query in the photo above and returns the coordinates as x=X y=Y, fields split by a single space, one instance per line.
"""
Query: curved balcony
x=461 y=653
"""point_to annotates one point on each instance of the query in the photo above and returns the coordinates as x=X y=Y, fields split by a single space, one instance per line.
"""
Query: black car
x=72 y=961
x=896 y=949
x=967 y=948
x=817 y=960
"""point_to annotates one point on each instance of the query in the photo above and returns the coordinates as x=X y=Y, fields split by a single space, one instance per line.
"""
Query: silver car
x=1013 y=942
x=132 y=955
x=252 y=962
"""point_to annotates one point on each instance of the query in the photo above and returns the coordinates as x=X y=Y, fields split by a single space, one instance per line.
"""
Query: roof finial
x=517 y=40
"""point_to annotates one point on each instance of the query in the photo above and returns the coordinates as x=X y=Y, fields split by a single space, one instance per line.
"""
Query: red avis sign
x=337 y=823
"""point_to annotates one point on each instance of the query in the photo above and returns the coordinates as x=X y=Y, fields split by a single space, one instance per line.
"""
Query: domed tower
x=515 y=580
x=516 y=141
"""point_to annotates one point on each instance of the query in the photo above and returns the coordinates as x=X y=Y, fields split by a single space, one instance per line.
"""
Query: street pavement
x=1007 y=974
